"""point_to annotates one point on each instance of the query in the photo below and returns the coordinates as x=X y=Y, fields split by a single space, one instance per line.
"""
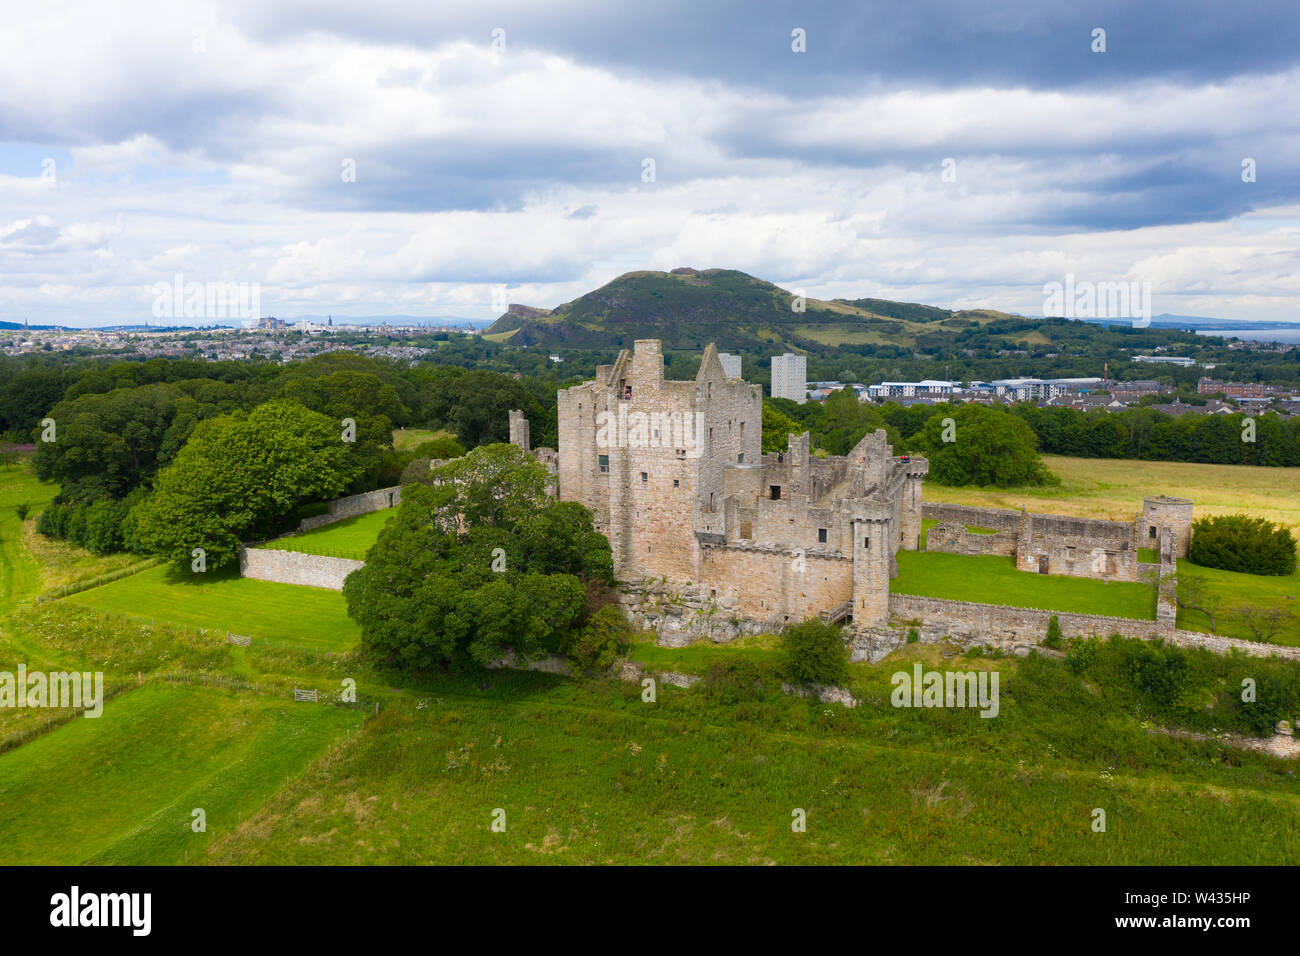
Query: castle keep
x=675 y=474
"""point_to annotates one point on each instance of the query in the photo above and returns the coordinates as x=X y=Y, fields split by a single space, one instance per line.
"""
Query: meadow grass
x=120 y=788
x=349 y=538
x=267 y=611
x=20 y=573
x=696 y=658
x=992 y=579
x=1234 y=590
x=405 y=439
x=1114 y=488
x=588 y=773
x=585 y=771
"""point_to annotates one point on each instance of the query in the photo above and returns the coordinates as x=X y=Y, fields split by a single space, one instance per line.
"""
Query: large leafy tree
x=976 y=445
x=476 y=406
x=240 y=475
x=476 y=561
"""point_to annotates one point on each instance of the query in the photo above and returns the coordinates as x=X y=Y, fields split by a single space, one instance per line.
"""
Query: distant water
x=1257 y=335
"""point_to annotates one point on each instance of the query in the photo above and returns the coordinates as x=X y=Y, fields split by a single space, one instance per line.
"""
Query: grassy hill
x=689 y=308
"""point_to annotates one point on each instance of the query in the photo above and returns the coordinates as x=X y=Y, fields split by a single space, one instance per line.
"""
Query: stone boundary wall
x=1100 y=529
x=294 y=567
x=1011 y=626
x=998 y=519
x=354 y=505
x=1021 y=623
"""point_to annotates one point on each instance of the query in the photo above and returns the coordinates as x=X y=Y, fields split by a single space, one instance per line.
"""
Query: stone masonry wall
x=354 y=505
x=1017 y=628
x=293 y=567
x=996 y=519
x=792 y=589
x=969 y=619
x=955 y=539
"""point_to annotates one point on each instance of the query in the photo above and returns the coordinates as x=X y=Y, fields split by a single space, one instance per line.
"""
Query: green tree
x=976 y=445
x=476 y=561
x=476 y=406
x=777 y=428
x=595 y=648
x=242 y=474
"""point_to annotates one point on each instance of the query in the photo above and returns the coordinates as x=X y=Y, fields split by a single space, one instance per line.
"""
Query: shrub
x=1053 y=638
x=737 y=679
x=912 y=635
x=596 y=647
x=814 y=653
x=21 y=510
x=1242 y=543
x=445 y=447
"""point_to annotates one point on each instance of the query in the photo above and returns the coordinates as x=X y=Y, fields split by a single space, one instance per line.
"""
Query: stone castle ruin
x=1053 y=544
x=712 y=538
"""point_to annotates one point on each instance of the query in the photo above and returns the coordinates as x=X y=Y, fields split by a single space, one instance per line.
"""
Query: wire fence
x=98 y=581
x=344 y=553
x=63 y=716
x=216 y=632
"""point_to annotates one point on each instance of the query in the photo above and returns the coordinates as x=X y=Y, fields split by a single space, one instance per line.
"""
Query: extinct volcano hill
x=688 y=308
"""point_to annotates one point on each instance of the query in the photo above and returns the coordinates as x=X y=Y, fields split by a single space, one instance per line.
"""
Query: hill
x=688 y=308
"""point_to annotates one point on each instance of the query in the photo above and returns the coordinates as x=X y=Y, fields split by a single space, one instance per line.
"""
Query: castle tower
x=909 y=515
x=871 y=570
x=519 y=430
x=1161 y=513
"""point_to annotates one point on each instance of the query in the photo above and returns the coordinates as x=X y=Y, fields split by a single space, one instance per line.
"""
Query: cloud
x=366 y=157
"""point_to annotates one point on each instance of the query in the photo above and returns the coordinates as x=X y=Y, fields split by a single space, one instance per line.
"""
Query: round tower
x=1161 y=512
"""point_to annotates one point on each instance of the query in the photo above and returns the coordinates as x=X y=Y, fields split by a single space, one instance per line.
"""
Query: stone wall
x=684 y=614
x=955 y=539
x=1018 y=624
x=996 y=519
x=354 y=505
x=1018 y=629
x=293 y=567
x=794 y=587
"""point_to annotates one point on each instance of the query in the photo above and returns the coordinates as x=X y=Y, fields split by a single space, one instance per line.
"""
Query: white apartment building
x=790 y=377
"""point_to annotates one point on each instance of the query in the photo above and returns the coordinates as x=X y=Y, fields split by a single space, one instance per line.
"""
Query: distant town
x=789 y=381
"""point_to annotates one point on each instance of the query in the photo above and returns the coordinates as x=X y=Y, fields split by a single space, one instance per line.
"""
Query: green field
x=288 y=614
x=120 y=788
x=349 y=538
x=989 y=579
x=591 y=774
x=405 y=439
x=1234 y=590
x=1114 y=488
x=585 y=771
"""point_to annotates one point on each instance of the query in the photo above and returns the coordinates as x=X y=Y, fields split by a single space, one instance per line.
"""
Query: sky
x=440 y=159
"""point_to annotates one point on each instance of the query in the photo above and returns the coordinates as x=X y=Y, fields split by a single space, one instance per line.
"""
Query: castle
x=675 y=475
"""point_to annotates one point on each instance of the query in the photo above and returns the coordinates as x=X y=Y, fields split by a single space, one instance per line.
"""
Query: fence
x=64 y=716
x=195 y=630
x=304 y=695
x=97 y=581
